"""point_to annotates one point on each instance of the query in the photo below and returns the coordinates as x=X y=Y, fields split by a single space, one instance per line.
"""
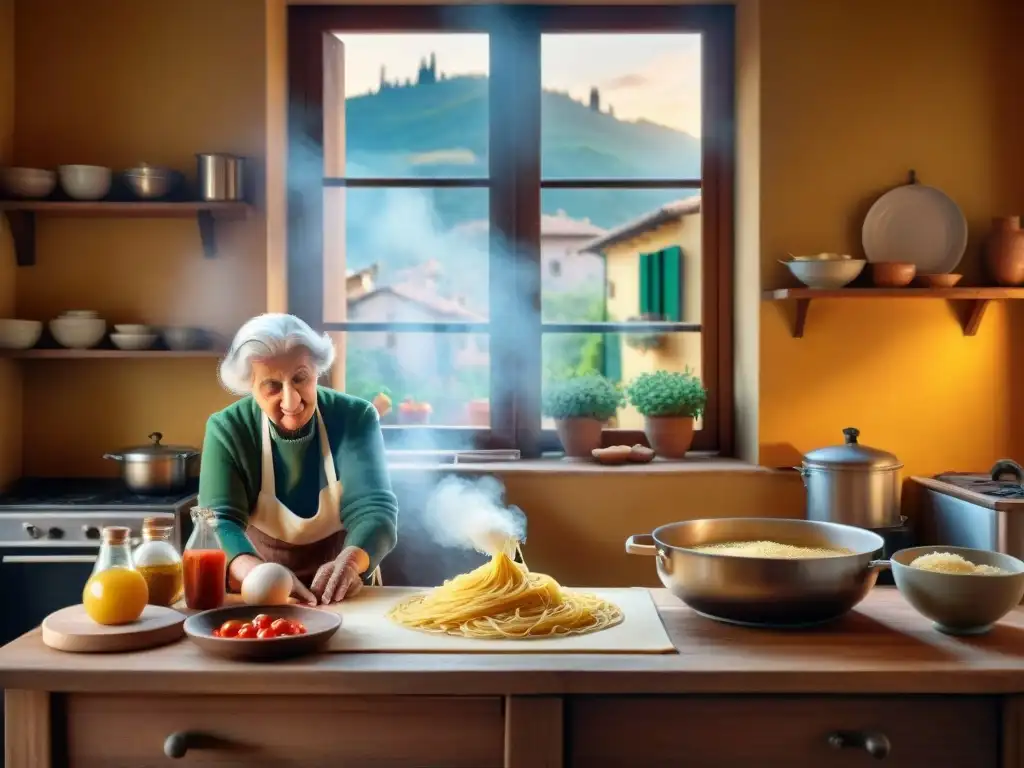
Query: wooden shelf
x=21 y=217
x=109 y=354
x=977 y=298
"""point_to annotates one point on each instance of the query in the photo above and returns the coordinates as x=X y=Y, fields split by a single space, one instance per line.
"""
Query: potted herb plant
x=580 y=407
x=669 y=402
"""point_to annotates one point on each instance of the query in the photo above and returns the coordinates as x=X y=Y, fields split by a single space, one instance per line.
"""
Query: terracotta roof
x=631 y=229
x=446 y=308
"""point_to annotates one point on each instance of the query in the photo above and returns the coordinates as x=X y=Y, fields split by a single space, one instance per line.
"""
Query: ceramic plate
x=917 y=224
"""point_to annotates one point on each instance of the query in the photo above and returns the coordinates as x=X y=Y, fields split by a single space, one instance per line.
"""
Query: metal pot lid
x=851 y=455
x=156 y=450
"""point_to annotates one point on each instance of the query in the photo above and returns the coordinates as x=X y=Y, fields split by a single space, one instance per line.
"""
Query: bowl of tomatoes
x=256 y=633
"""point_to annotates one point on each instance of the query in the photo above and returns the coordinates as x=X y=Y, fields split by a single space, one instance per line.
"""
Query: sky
x=652 y=77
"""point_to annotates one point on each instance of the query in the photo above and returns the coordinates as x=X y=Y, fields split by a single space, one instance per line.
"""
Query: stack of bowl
x=78 y=329
x=28 y=183
x=133 y=338
x=19 y=334
x=825 y=271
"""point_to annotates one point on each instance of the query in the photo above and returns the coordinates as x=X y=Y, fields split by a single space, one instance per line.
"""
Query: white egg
x=267 y=584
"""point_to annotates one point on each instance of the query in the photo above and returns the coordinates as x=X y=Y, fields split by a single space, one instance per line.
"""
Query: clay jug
x=1004 y=251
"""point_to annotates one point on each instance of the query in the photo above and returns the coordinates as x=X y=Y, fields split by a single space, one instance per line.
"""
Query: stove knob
x=34 y=531
x=91 y=531
x=55 y=533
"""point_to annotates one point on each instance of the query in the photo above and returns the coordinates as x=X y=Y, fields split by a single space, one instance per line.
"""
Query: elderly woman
x=296 y=472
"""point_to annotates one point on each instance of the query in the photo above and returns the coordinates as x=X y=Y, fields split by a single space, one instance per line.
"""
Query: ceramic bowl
x=19 y=334
x=826 y=275
x=85 y=182
x=134 y=330
x=180 y=338
x=939 y=281
x=958 y=603
x=78 y=332
x=133 y=341
x=320 y=625
x=893 y=274
x=30 y=183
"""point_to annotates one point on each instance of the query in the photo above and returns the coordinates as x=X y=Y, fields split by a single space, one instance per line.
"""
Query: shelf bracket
x=800 y=319
x=976 y=312
x=23 y=232
x=207 y=233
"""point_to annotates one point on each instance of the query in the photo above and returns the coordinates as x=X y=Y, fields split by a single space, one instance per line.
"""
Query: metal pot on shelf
x=154 y=469
x=853 y=484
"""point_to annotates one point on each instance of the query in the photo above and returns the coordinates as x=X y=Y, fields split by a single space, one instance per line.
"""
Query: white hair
x=269 y=335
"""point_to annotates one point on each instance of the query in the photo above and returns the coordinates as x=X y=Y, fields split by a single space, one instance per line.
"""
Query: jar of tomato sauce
x=204 y=563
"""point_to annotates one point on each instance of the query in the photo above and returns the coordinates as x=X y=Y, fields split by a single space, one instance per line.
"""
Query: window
x=439 y=157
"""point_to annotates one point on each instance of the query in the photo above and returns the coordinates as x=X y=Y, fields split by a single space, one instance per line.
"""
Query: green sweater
x=230 y=476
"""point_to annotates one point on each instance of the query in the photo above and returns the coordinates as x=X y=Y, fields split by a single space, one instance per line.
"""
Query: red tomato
x=262 y=621
x=283 y=627
x=230 y=628
x=216 y=633
x=266 y=634
x=300 y=629
x=247 y=632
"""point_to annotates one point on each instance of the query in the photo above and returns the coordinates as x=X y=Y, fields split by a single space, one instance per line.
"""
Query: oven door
x=36 y=581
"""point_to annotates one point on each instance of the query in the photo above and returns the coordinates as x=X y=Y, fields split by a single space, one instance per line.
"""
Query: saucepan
x=154 y=469
x=762 y=591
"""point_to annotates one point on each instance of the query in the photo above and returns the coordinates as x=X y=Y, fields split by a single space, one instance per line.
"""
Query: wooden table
x=880 y=679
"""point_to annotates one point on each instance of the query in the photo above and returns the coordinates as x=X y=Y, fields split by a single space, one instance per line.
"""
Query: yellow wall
x=853 y=95
x=116 y=82
x=679 y=351
x=10 y=375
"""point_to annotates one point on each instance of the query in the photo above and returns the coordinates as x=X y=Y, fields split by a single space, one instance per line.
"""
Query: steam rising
x=464 y=514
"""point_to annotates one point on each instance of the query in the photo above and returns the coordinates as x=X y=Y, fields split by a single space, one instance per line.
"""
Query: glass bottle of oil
x=159 y=562
x=115 y=549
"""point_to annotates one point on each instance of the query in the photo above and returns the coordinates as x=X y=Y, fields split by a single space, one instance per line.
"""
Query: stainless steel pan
x=764 y=591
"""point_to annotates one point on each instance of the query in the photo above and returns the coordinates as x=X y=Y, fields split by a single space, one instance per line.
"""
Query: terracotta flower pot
x=670 y=436
x=579 y=436
x=1004 y=251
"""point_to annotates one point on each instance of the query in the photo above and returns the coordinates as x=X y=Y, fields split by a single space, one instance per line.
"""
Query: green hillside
x=440 y=129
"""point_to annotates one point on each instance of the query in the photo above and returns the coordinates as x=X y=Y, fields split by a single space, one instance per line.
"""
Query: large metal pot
x=154 y=469
x=761 y=591
x=853 y=484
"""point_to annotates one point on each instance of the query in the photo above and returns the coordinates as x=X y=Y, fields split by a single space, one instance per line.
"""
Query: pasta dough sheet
x=365 y=628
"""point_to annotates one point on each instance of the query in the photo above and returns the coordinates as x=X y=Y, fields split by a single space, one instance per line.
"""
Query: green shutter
x=613 y=356
x=657 y=300
x=672 y=285
x=646 y=262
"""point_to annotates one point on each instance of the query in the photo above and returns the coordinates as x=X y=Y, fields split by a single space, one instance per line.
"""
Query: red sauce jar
x=204 y=563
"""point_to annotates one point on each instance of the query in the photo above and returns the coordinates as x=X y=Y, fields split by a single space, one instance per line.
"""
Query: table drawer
x=772 y=732
x=310 y=731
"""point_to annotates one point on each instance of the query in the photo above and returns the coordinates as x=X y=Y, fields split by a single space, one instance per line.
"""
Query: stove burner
x=92 y=492
x=984 y=485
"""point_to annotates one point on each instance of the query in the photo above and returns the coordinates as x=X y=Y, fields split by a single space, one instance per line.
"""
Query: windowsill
x=556 y=465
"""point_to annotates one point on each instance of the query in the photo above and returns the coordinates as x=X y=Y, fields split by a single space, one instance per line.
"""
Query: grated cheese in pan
x=948 y=562
x=770 y=549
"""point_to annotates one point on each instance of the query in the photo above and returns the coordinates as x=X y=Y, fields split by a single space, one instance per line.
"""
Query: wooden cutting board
x=71 y=629
x=365 y=628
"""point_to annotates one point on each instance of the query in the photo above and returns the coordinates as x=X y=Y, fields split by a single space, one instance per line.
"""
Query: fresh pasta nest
x=503 y=600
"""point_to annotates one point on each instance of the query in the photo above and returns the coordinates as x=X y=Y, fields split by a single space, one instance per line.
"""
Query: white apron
x=298 y=543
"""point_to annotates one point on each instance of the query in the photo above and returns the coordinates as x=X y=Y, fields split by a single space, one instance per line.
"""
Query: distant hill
x=440 y=129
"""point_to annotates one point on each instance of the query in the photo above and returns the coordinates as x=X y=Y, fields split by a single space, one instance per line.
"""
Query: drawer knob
x=177 y=745
x=874 y=743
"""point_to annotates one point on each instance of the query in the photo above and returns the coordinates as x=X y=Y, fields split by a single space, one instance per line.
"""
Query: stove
x=1001 y=488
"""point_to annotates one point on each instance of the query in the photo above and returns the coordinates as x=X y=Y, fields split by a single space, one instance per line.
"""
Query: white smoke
x=464 y=514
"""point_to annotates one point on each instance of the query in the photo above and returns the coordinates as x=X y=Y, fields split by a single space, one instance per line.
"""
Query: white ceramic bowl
x=80 y=313
x=826 y=275
x=133 y=341
x=19 y=334
x=186 y=338
x=85 y=182
x=78 y=332
x=133 y=330
x=959 y=603
x=30 y=183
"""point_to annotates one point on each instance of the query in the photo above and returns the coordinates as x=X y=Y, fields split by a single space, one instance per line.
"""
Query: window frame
x=514 y=183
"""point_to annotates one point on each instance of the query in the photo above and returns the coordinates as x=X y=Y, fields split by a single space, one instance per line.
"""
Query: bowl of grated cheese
x=963 y=591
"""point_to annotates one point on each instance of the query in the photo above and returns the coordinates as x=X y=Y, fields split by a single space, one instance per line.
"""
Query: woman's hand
x=341 y=577
x=241 y=566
